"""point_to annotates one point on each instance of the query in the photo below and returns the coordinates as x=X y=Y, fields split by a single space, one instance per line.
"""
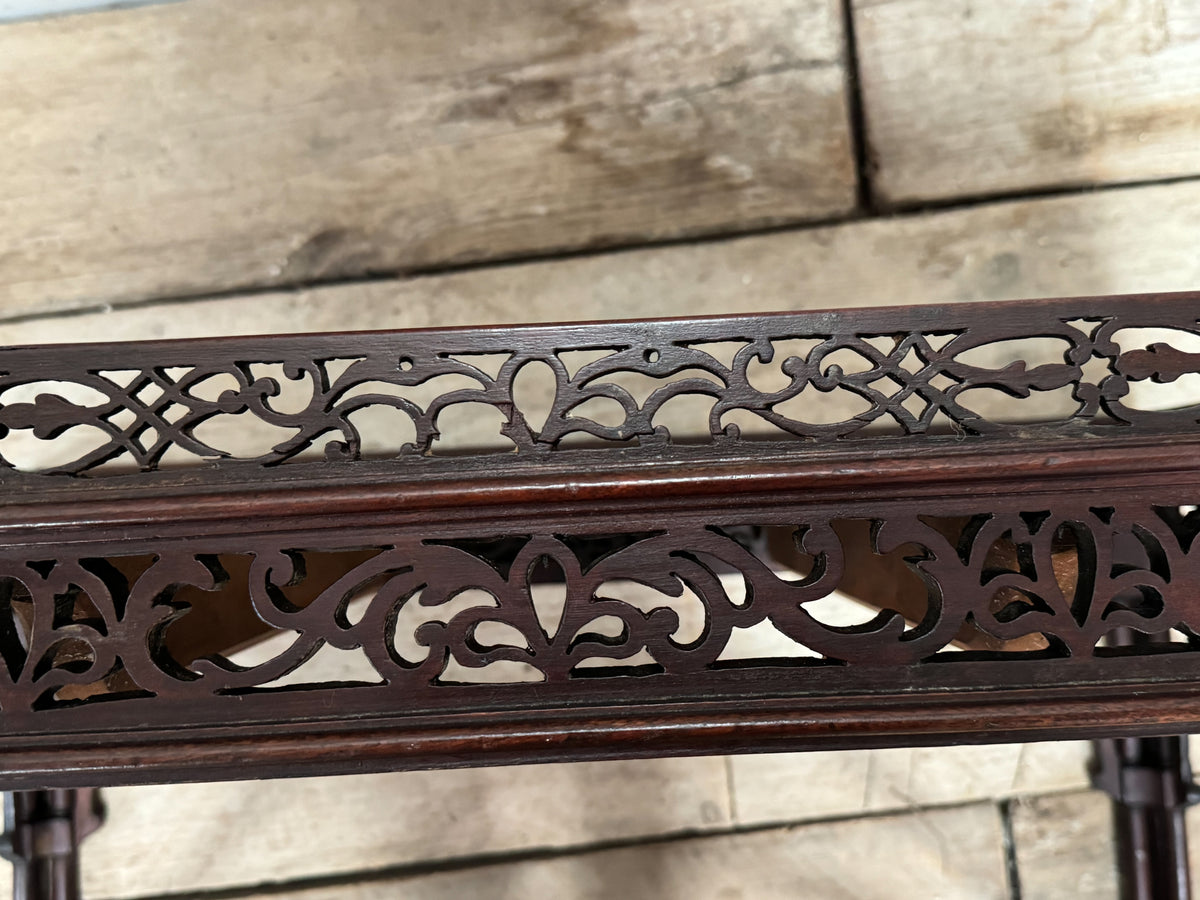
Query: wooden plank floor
x=966 y=98
x=167 y=175
x=159 y=151
x=953 y=854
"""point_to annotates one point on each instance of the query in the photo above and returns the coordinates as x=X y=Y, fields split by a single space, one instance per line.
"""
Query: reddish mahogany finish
x=1048 y=534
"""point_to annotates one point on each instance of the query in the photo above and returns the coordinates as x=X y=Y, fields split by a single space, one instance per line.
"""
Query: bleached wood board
x=792 y=787
x=1064 y=846
x=1123 y=240
x=967 y=97
x=948 y=854
x=215 y=145
x=186 y=838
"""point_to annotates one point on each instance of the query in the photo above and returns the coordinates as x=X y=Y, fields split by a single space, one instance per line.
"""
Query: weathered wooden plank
x=186 y=838
x=1064 y=846
x=953 y=853
x=1126 y=240
x=793 y=787
x=964 y=97
x=159 y=151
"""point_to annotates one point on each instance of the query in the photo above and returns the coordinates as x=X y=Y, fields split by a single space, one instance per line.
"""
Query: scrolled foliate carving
x=815 y=378
x=433 y=614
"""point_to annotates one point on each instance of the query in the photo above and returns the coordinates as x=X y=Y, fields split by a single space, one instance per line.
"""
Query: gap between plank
x=860 y=148
x=1010 y=849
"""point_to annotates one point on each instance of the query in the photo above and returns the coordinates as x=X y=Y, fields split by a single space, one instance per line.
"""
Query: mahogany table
x=1028 y=504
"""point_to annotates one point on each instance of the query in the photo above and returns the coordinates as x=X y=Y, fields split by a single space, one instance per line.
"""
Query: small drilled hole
x=651 y=356
x=406 y=364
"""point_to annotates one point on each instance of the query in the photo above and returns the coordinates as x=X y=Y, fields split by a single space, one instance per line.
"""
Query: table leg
x=43 y=833
x=1150 y=782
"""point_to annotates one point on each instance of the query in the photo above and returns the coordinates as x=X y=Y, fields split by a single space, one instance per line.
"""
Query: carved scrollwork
x=431 y=613
x=817 y=378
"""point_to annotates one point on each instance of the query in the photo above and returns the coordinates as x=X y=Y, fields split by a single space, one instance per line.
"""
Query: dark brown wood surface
x=436 y=567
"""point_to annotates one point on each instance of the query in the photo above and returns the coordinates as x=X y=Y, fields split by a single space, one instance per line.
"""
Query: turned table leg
x=1150 y=782
x=43 y=830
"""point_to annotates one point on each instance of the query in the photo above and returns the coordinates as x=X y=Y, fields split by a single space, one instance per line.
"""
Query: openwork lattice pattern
x=818 y=378
x=431 y=615
x=328 y=553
